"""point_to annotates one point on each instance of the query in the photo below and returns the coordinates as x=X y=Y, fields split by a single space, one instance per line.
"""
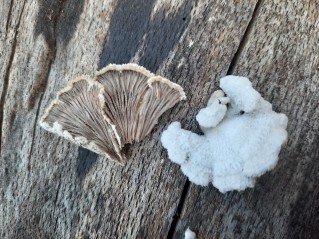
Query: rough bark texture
x=52 y=189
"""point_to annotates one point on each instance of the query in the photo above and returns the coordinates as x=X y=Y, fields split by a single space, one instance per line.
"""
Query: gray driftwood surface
x=51 y=188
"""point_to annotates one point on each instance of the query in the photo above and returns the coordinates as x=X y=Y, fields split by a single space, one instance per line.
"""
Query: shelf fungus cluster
x=242 y=138
x=119 y=106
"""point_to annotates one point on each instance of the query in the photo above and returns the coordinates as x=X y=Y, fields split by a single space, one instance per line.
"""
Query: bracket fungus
x=242 y=138
x=119 y=106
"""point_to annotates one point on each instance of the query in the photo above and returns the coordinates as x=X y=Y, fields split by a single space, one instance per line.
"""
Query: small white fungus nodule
x=189 y=234
x=242 y=138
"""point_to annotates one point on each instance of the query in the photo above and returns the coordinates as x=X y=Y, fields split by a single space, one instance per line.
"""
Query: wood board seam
x=34 y=129
x=180 y=206
x=245 y=37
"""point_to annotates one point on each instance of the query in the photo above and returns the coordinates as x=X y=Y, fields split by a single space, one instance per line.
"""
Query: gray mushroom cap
x=76 y=114
x=121 y=105
x=135 y=99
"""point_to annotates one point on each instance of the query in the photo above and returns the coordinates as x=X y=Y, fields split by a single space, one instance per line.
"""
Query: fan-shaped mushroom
x=104 y=116
x=135 y=99
x=76 y=114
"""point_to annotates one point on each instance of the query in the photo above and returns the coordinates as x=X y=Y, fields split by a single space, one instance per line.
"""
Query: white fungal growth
x=189 y=234
x=242 y=138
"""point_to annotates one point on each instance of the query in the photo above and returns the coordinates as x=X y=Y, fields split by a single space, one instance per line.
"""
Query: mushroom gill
x=76 y=114
x=135 y=99
x=121 y=105
x=161 y=95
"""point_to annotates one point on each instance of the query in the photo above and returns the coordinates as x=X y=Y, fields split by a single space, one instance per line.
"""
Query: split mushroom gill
x=121 y=105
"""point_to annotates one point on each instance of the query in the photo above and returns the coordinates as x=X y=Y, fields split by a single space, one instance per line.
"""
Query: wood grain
x=280 y=56
x=52 y=189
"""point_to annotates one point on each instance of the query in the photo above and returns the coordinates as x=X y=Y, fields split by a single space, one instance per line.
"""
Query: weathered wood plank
x=280 y=56
x=10 y=20
x=53 y=189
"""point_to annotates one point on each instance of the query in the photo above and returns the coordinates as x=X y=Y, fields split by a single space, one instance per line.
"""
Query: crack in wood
x=7 y=75
x=55 y=202
x=9 y=17
x=245 y=37
x=176 y=217
x=33 y=133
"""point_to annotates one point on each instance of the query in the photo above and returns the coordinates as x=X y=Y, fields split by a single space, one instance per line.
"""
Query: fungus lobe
x=75 y=115
x=135 y=99
x=242 y=138
x=121 y=105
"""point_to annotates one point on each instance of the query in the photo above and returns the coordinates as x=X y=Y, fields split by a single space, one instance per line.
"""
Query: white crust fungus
x=242 y=138
x=189 y=234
